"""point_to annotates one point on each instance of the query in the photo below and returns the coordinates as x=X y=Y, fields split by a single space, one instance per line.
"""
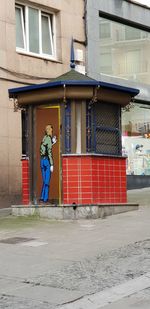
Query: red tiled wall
x=25 y=181
x=94 y=180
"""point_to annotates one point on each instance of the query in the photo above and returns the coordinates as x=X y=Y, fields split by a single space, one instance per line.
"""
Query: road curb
x=108 y=296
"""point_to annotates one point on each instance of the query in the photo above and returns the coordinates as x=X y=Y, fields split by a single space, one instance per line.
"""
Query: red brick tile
x=86 y=171
x=26 y=195
x=102 y=177
x=72 y=173
x=86 y=195
x=73 y=193
x=25 y=186
x=87 y=201
x=25 y=182
x=25 y=170
x=25 y=202
x=86 y=188
x=25 y=163
x=86 y=183
x=71 y=201
x=72 y=164
x=74 y=178
x=25 y=174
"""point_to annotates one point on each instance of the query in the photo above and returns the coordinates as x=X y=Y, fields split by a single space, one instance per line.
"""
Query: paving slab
x=105 y=298
x=45 y=293
x=9 y=285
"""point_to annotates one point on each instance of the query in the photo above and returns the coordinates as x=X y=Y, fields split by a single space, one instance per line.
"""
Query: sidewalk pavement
x=140 y=196
x=45 y=263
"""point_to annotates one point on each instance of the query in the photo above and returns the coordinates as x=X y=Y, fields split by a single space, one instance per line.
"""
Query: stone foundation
x=72 y=212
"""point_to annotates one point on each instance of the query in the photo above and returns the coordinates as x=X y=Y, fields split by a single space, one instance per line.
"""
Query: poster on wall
x=136 y=139
x=137 y=150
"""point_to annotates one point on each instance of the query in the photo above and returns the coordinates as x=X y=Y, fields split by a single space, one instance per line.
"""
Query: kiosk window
x=103 y=133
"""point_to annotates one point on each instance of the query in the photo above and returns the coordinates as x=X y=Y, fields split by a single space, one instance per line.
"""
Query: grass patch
x=20 y=222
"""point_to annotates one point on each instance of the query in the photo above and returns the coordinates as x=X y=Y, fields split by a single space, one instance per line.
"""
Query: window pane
x=124 y=54
x=46 y=36
x=106 y=62
x=33 y=30
x=132 y=33
x=133 y=61
x=104 y=30
x=19 y=29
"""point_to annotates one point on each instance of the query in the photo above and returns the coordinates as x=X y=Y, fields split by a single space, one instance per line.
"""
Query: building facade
x=118 y=49
x=111 y=43
x=35 y=41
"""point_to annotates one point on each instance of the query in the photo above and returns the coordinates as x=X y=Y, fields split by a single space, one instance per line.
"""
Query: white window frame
x=25 y=27
x=50 y=30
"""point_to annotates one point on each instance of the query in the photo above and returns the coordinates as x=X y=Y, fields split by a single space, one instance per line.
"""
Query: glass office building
x=119 y=44
x=124 y=53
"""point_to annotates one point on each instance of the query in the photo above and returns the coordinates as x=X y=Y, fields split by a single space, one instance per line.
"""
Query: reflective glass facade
x=124 y=51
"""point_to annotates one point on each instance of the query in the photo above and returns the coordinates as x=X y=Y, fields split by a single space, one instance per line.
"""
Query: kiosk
x=88 y=165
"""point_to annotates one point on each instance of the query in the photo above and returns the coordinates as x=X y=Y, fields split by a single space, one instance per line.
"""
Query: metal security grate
x=88 y=129
x=24 y=116
x=103 y=129
x=68 y=128
x=107 y=131
x=107 y=115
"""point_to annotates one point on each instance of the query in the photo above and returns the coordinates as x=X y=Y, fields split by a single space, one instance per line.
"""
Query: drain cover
x=15 y=240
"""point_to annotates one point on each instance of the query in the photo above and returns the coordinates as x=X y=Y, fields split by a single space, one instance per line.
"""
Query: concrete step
x=4 y=212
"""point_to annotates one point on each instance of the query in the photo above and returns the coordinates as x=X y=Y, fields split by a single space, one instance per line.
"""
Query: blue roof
x=132 y=91
x=72 y=78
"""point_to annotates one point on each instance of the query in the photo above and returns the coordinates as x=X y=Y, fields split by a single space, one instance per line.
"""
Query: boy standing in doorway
x=46 y=162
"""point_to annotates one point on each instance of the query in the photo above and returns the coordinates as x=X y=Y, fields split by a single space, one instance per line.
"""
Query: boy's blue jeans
x=46 y=176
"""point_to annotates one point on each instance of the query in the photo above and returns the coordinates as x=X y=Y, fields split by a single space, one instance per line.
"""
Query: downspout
x=85 y=22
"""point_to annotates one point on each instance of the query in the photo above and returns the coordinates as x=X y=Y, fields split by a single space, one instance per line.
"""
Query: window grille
x=24 y=116
x=68 y=128
x=88 y=129
x=103 y=129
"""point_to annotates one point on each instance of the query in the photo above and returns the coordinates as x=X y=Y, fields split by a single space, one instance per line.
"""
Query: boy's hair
x=49 y=126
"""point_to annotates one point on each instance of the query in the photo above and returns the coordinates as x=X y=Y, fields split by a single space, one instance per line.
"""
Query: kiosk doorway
x=49 y=116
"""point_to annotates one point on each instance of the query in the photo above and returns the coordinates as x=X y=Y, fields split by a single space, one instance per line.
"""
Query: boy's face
x=50 y=131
